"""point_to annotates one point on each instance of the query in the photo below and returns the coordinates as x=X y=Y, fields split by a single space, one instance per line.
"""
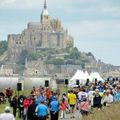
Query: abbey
x=48 y=33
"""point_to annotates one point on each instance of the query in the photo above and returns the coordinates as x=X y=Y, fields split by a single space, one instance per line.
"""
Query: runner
x=72 y=102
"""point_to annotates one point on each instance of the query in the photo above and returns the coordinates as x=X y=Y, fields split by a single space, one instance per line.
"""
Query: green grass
x=26 y=93
x=108 y=113
x=2 y=106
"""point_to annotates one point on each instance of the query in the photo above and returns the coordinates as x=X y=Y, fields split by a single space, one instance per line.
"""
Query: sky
x=94 y=24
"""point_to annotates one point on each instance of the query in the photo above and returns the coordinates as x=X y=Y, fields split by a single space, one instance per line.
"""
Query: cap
x=7 y=109
x=54 y=97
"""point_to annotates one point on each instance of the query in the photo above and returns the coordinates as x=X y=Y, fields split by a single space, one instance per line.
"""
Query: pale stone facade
x=48 y=33
x=8 y=70
x=38 y=68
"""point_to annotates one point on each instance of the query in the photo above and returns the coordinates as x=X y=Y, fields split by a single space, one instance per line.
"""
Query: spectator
x=7 y=115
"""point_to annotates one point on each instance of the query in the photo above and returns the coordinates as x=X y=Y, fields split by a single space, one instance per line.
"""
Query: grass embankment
x=108 y=113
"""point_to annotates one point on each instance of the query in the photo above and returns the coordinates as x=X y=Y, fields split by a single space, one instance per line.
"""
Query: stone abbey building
x=48 y=33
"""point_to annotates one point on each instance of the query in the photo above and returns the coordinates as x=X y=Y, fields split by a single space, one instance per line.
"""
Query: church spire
x=45 y=4
x=45 y=12
x=45 y=19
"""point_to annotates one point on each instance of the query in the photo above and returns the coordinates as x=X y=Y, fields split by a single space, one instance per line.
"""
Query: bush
x=56 y=61
x=3 y=46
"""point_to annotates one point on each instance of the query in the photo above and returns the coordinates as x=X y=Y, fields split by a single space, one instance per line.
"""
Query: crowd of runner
x=43 y=103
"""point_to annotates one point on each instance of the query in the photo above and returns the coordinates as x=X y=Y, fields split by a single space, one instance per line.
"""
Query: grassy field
x=108 y=113
x=2 y=106
x=25 y=93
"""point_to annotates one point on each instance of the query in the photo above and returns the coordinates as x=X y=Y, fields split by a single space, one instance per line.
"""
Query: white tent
x=83 y=76
x=87 y=76
x=79 y=75
x=95 y=75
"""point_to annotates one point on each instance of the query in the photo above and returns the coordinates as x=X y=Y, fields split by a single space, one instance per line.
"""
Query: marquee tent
x=83 y=76
x=95 y=75
x=87 y=76
x=79 y=75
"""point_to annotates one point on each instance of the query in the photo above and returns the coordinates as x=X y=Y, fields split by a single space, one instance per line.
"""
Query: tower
x=45 y=19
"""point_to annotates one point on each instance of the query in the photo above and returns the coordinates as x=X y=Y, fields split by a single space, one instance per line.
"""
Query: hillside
x=68 y=56
x=57 y=57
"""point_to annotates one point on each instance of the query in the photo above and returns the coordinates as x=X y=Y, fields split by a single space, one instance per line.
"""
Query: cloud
x=113 y=10
x=20 y=4
x=95 y=29
x=100 y=37
x=4 y=3
x=103 y=7
x=30 y=4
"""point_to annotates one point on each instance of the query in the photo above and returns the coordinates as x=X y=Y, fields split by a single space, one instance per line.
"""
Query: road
x=77 y=116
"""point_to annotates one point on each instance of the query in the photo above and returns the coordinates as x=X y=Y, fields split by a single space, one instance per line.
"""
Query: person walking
x=63 y=107
x=97 y=100
x=84 y=106
x=20 y=106
x=26 y=103
x=31 y=115
x=54 y=108
x=14 y=105
x=72 y=102
x=42 y=111
x=7 y=115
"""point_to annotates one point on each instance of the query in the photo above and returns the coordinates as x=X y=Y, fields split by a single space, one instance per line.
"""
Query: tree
x=74 y=54
x=90 y=54
x=33 y=56
x=55 y=61
x=3 y=46
x=23 y=56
